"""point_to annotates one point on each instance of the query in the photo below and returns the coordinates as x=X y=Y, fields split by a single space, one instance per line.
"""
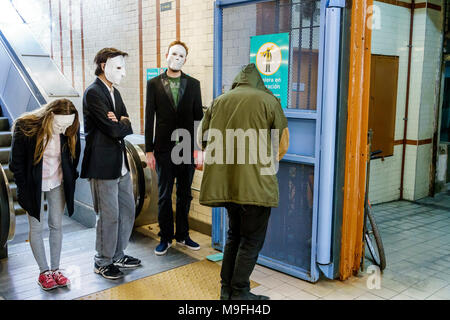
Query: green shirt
x=174 y=87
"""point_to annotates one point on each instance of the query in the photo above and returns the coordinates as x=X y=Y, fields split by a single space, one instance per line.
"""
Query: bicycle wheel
x=373 y=241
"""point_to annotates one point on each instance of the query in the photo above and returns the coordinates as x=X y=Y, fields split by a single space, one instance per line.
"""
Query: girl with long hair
x=44 y=159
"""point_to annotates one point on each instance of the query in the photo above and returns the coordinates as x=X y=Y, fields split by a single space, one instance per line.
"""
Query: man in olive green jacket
x=244 y=134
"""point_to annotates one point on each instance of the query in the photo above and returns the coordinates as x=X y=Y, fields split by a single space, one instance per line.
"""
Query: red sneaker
x=60 y=279
x=46 y=281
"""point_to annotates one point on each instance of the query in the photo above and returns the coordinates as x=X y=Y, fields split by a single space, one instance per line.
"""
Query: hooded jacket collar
x=250 y=76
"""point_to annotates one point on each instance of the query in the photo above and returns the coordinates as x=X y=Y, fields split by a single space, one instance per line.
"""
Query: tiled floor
x=417 y=245
x=416 y=239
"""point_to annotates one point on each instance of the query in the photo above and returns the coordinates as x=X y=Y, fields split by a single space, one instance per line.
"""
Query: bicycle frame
x=366 y=195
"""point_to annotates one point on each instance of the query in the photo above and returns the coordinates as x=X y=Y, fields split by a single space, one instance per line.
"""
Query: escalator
x=29 y=79
x=8 y=201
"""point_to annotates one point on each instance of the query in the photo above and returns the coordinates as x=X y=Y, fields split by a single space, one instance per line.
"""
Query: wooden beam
x=357 y=127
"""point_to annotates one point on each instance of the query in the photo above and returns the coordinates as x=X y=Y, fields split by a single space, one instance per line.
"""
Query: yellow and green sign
x=270 y=54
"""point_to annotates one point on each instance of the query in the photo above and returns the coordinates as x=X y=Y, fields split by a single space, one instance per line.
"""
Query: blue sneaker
x=191 y=244
x=162 y=248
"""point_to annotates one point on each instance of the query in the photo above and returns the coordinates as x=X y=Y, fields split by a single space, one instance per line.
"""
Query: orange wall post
x=356 y=149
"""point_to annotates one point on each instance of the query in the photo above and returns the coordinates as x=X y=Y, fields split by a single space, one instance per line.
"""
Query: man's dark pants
x=167 y=173
x=246 y=234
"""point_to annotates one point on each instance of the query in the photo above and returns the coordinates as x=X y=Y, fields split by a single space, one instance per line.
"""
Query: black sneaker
x=108 y=272
x=127 y=262
x=247 y=296
x=225 y=293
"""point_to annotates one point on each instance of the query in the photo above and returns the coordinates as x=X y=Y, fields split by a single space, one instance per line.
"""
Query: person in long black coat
x=175 y=100
x=44 y=157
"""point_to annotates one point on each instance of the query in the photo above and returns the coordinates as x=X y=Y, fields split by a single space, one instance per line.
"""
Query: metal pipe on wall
x=408 y=82
x=328 y=137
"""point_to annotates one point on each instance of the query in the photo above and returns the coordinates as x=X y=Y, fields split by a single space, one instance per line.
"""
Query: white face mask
x=62 y=122
x=115 y=69
x=176 y=57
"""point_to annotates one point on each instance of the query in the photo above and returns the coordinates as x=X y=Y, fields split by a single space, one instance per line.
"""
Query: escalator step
x=4 y=154
x=5 y=138
x=4 y=124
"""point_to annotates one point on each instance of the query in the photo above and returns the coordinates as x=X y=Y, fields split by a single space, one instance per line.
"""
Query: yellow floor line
x=195 y=281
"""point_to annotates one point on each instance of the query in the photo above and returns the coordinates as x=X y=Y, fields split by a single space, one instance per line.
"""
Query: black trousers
x=167 y=173
x=246 y=235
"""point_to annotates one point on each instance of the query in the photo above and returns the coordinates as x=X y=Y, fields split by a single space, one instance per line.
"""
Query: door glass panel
x=289 y=233
x=302 y=136
x=301 y=19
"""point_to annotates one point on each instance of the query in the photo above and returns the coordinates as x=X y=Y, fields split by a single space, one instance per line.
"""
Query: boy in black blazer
x=175 y=99
x=105 y=164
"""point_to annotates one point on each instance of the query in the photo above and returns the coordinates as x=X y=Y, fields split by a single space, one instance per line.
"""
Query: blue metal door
x=295 y=241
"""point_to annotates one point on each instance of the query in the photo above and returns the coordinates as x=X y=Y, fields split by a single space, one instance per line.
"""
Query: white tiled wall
x=429 y=101
x=392 y=39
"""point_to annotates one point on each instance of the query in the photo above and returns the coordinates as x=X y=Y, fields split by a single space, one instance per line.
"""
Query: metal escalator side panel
x=31 y=64
x=15 y=65
x=141 y=177
x=7 y=214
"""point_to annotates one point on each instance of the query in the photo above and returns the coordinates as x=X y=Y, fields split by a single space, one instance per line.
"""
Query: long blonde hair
x=39 y=124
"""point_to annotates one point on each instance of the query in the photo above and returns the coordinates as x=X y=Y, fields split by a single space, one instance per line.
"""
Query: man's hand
x=123 y=118
x=112 y=116
x=151 y=162
x=198 y=159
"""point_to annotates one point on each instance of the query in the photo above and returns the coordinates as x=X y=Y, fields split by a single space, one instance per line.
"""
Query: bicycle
x=371 y=235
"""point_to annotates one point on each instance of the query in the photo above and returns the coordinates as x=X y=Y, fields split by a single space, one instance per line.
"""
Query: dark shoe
x=127 y=262
x=110 y=272
x=225 y=293
x=191 y=244
x=162 y=248
x=247 y=296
